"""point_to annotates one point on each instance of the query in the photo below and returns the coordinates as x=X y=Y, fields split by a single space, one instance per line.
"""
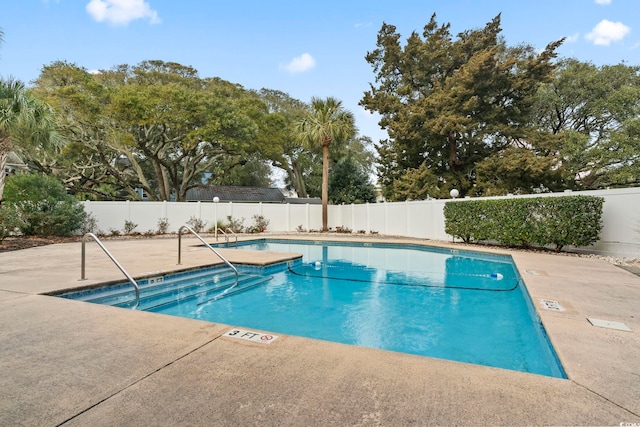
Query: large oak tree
x=593 y=114
x=156 y=127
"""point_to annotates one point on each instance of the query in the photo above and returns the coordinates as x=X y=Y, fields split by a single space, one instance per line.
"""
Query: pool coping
x=603 y=386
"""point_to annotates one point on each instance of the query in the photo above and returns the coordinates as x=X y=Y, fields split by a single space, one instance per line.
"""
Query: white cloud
x=121 y=12
x=606 y=32
x=573 y=38
x=363 y=25
x=300 y=64
x=604 y=2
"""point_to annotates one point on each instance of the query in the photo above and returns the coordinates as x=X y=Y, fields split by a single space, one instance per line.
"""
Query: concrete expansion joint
x=24 y=294
x=155 y=371
x=606 y=398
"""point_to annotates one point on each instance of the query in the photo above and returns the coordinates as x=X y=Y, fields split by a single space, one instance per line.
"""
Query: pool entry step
x=161 y=291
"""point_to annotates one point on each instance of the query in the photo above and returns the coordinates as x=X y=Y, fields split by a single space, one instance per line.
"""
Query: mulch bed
x=22 y=242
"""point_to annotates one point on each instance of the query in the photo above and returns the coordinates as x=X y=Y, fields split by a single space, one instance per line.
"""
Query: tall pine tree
x=450 y=103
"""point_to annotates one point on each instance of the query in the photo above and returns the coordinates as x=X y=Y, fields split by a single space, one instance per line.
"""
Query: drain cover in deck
x=619 y=326
x=550 y=304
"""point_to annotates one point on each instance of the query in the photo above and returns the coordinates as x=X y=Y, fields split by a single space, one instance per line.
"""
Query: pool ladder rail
x=226 y=261
x=115 y=261
x=226 y=233
x=131 y=279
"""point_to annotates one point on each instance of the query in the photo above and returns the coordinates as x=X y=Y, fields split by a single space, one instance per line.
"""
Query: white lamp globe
x=454 y=193
x=216 y=199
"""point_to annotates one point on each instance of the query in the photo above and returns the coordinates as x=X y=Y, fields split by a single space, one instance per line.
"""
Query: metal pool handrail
x=226 y=261
x=234 y=235
x=106 y=251
x=221 y=231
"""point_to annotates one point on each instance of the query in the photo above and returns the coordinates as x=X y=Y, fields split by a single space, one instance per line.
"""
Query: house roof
x=303 y=200
x=13 y=160
x=235 y=194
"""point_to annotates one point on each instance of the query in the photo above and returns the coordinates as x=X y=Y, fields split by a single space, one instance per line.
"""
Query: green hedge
x=541 y=221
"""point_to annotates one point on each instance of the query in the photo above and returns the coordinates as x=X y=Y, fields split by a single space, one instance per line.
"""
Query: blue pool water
x=454 y=305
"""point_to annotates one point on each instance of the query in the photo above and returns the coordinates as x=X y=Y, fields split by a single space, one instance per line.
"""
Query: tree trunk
x=453 y=150
x=161 y=181
x=3 y=162
x=166 y=185
x=140 y=174
x=325 y=184
x=297 y=180
x=5 y=148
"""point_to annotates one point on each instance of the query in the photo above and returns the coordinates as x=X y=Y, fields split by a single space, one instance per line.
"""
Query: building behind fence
x=424 y=219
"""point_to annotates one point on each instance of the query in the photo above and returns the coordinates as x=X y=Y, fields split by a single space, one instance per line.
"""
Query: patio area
x=72 y=363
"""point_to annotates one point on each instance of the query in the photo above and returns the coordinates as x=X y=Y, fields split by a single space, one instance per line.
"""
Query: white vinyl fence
x=422 y=219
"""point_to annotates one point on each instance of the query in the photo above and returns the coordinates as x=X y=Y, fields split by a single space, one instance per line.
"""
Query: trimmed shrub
x=468 y=220
x=559 y=221
x=575 y=221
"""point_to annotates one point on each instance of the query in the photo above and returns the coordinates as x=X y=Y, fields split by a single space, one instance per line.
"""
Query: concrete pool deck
x=66 y=362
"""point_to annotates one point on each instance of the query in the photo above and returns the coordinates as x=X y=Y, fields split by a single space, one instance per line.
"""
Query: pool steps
x=204 y=285
x=210 y=291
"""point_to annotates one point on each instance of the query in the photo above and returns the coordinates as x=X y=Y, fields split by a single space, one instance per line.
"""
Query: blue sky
x=303 y=48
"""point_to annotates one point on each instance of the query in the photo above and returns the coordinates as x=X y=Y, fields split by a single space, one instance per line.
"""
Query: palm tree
x=325 y=122
x=24 y=120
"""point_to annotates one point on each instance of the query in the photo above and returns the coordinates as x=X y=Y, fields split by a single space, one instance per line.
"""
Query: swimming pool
x=455 y=305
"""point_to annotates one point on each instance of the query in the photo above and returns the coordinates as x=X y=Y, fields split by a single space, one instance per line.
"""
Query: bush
x=235 y=225
x=196 y=224
x=163 y=225
x=10 y=221
x=129 y=227
x=219 y=224
x=89 y=225
x=575 y=221
x=43 y=205
x=341 y=229
x=559 y=221
x=260 y=224
x=464 y=220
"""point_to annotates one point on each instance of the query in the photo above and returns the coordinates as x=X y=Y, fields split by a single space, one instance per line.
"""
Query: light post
x=215 y=202
x=454 y=193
